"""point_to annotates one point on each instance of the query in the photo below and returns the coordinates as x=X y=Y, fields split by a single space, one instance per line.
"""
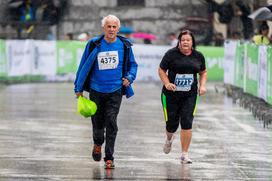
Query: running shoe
x=109 y=164
x=168 y=145
x=97 y=153
x=185 y=158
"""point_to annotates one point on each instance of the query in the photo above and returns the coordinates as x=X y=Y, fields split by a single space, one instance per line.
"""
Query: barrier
x=269 y=75
x=239 y=65
x=58 y=60
x=68 y=56
x=214 y=61
x=148 y=58
x=229 y=61
x=3 y=60
x=249 y=67
x=262 y=70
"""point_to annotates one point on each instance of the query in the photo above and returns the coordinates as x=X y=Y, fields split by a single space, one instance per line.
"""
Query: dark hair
x=172 y=34
x=186 y=32
x=263 y=26
x=70 y=36
x=147 y=41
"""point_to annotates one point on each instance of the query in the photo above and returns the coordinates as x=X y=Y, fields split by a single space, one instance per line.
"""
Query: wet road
x=42 y=138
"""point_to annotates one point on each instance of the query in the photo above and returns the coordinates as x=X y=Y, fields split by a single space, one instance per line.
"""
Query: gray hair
x=110 y=17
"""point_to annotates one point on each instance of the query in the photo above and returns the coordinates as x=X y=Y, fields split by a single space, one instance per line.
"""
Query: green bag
x=86 y=107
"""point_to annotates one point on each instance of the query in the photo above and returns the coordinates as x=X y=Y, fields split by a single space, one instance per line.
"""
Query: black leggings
x=178 y=110
x=108 y=105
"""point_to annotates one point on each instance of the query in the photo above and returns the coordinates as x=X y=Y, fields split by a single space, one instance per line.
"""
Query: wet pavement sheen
x=43 y=138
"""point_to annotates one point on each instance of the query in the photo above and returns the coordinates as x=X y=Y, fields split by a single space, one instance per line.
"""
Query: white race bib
x=184 y=82
x=108 y=60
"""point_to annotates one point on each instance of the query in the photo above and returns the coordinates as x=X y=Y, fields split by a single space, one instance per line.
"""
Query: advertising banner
x=269 y=75
x=148 y=58
x=214 y=62
x=19 y=53
x=50 y=58
x=68 y=56
x=251 y=69
x=44 y=62
x=262 y=72
x=229 y=58
x=239 y=65
x=3 y=60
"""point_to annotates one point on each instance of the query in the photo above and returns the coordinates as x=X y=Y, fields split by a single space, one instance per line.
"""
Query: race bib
x=108 y=60
x=184 y=82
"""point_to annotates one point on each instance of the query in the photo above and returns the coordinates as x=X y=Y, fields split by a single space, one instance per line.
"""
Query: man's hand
x=78 y=94
x=125 y=82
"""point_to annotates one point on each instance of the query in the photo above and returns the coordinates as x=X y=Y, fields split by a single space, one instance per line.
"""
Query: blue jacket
x=89 y=56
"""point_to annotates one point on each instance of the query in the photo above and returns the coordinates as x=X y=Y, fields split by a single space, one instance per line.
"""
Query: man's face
x=265 y=32
x=111 y=29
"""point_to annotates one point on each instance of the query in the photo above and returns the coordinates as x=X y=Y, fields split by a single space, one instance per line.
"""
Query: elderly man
x=107 y=70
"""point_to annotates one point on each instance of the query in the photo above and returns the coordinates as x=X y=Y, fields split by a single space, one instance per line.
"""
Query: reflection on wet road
x=42 y=137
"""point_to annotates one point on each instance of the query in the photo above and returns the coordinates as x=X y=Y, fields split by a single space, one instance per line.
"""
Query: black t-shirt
x=182 y=70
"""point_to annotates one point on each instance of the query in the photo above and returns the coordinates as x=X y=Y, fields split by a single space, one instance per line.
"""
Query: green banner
x=239 y=65
x=3 y=60
x=214 y=59
x=251 y=69
x=269 y=75
x=68 y=56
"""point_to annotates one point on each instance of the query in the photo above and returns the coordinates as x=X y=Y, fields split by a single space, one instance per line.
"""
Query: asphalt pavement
x=43 y=138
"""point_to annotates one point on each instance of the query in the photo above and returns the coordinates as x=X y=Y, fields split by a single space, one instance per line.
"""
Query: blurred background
x=210 y=20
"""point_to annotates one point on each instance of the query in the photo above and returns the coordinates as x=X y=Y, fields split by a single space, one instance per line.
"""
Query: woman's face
x=186 y=42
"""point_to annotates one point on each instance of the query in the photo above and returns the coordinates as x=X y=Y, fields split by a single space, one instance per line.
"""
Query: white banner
x=45 y=60
x=263 y=72
x=79 y=54
x=148 y=58
x=19 y=55
x=229 y=58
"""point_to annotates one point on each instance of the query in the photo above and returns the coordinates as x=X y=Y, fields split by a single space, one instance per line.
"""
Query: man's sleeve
x=133 y=67
x=82 y=61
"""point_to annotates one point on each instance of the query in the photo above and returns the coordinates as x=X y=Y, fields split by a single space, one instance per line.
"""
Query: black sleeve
x=165 y=61
x=203 y=64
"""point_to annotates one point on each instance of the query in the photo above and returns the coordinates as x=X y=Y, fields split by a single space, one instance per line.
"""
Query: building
x=158 y=17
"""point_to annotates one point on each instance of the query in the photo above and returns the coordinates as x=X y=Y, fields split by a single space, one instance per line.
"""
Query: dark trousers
x=105 y=119
x=179 y=110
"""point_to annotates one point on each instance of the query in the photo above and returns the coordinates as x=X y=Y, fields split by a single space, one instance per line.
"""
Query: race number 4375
x=108 y=60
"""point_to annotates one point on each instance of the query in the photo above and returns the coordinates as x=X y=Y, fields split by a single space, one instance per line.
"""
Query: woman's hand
x=170 y=86
x=202 y=82
x=202 y=90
